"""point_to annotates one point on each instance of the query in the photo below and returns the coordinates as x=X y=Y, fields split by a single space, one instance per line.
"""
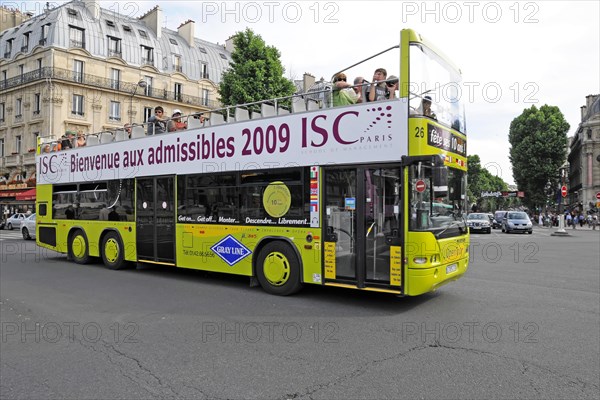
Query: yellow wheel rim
x=112 y=250
x=79 y=247
x=276 y=269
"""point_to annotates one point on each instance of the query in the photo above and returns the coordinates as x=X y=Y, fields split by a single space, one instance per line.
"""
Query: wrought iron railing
x=61 y=74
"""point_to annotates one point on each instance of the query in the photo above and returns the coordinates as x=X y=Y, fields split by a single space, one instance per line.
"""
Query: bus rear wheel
x=113 y=252
x=79 y=248
x=278 y=269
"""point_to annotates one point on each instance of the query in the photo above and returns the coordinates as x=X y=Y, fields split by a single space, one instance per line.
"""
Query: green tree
x=538 y=139
x=481 y=180
x=255 y=72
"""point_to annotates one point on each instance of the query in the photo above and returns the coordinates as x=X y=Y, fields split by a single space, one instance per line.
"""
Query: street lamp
x=141 y=83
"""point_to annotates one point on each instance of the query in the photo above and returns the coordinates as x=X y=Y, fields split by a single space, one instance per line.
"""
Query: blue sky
x=513 y=54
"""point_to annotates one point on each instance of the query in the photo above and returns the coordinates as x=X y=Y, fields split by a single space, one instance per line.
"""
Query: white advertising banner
x=371 y=132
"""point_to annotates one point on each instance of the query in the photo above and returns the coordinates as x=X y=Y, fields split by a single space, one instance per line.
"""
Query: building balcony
x=13 y=160
x=28 y=159
x=65 y=75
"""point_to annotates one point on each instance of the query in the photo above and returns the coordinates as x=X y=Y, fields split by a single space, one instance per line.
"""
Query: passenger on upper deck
x=392 y=86
x=342 y=93
x=360 y=89
x=378 y=90
x=157 y=122
x=67 y=140
x=425 y=108
x=127 y=129
x=80 y=139
x=175 y=123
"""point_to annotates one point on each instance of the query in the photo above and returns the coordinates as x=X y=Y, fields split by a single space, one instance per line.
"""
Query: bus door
x=362 y=226
x=155 y=223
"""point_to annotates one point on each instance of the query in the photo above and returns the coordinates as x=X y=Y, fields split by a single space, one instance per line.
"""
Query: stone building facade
x=82 y=68
x=584 y=158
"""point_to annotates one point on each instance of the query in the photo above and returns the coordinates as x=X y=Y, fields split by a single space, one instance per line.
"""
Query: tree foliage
x=538 y=139
x=255 y=72
x=481 y=180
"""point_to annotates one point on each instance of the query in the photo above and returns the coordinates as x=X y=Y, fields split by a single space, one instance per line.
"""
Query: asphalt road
x=524 y=322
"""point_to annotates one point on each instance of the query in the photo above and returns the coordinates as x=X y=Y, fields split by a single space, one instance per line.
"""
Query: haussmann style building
x=78 y=67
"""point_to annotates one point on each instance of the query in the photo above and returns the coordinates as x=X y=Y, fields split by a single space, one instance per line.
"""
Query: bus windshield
x=433 y=79
x=437 y=204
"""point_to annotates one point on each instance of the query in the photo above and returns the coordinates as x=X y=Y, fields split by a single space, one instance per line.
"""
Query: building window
x=115 y=78
x=37 y=102
x=114 y=46
x=589 y=134
x=223 y=56
x=4 y=78
x=77 y=105
x=8 y=48
x=44 y=34
x=78 y=71
x=115 y=111
x=203 y=70
x=202 y=50
x=177 y=63
x=178 y=89
x=39 y=64
x=148 y=88
x=110 y=23
x=1 y=112
x=19 y=108
x=173 y=41
x=205 y=97
x=25 y=45
x=148 y=112
x=18 y=144
x=147 y=55
x=1 y=147
x=127 y=28
x=143 y=33
x=77 y=37
x=21 y=72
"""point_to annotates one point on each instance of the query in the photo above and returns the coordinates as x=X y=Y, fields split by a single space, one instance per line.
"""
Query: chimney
x=229 y=46
x=308 y=81
x=589 y=99
x=93 y=8
x=152 y=19
x=186 y=31
x=583 y=111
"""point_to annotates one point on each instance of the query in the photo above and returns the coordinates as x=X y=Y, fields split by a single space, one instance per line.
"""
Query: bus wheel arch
x=112 y=250
x=78 y=246
x=277 y=267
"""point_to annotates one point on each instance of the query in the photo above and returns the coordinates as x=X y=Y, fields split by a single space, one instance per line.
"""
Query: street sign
x=598 y=196
x=420 y=186
x=563 y=191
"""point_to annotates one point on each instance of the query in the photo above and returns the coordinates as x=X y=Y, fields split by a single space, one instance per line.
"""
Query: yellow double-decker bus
x=368 y=196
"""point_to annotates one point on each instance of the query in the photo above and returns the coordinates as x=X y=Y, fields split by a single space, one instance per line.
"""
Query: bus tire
x=79 y=247
x=278 y=269
x=113 y=251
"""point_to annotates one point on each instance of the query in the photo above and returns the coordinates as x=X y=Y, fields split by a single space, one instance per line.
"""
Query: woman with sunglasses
x=343 y=94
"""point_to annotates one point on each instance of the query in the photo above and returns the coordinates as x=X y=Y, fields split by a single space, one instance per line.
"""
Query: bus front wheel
x=78 y=247
x=278 y=269
x=113 y=252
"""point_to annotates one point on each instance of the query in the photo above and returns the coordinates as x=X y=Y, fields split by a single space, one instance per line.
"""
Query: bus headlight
x=420 y=260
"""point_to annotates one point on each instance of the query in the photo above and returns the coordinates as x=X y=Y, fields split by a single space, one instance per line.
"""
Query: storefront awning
x=26 y=195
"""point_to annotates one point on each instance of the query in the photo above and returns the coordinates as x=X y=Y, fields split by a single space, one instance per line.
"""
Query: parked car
x=517 y=221
x=498 y=215
x=14 y=221
x=479 y=222
x=2 y=223
x=28 y=227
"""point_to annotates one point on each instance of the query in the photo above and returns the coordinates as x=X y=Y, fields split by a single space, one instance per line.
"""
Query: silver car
x=516 y=221
x=28 y=227
x=479 y=222
x=14 y=221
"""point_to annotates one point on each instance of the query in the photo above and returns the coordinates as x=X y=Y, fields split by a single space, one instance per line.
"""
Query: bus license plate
x=451 y=268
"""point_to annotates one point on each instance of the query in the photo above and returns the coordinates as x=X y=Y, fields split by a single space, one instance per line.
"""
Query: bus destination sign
x=446 y=140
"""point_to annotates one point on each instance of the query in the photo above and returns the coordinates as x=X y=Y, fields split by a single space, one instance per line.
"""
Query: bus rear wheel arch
x=78 y=250
x=278 y=269
x=112 y=251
